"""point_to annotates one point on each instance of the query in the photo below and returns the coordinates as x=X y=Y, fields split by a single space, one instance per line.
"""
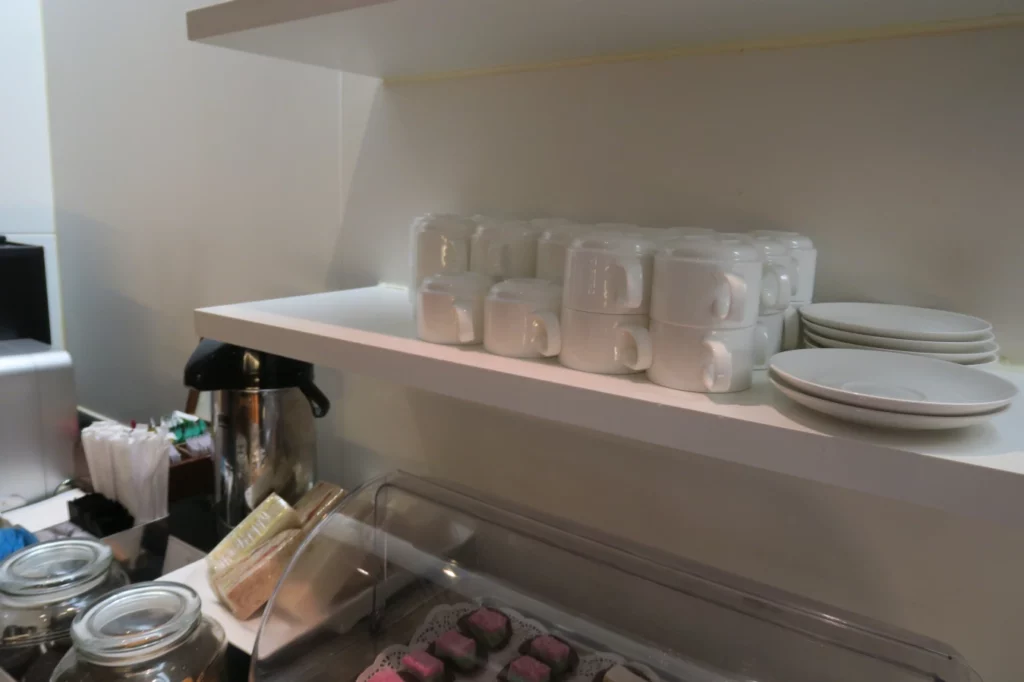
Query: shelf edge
x=809 y=40
x=946 y=484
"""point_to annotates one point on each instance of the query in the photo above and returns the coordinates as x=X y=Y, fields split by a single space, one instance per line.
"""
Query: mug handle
x=776 y=288
x=717 y=373
x=794 y=278
x=633 y=274
x=761 y=344
x=633 y=347
x=464 y=324
x=731 y=301
x=545 y=333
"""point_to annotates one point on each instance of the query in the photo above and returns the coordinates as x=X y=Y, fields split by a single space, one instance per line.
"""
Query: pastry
x=424 y=667
x=317 y=504
x=458 y=650
x=272 y=516
x=620 y=673
x=489 y=627
x=553 y=652
x=248 y=585
x=525 y=669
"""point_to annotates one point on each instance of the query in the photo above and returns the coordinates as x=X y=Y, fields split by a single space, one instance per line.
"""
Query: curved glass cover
x=407 y=564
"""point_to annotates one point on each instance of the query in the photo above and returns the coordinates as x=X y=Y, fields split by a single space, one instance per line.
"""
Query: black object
x=24 y=311
x=218 y=366
x=99 y=516
x=193 y=521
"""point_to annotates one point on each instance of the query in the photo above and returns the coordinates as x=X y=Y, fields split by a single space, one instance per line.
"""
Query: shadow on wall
x=100 y=313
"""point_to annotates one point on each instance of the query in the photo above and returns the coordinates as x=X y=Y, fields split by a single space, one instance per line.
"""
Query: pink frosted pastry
x=423 y=666
x=553 y=652
x=489 y=627
x=457 y=649
x=525 y=669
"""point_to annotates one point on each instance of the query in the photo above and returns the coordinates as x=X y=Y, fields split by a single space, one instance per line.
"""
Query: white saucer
x=898 y=321
x=895 y=382
x=989 y=350
x=990 y=362
x=890 y=343
x=880 y=418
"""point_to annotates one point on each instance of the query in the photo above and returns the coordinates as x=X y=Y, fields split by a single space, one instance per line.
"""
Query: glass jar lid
x=136 y=623
x=52 y=571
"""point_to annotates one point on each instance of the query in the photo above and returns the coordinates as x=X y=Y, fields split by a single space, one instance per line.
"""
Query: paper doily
x=443 y=618
x=446 y=617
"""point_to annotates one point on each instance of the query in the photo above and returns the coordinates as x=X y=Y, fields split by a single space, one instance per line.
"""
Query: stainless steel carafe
x=264 y=437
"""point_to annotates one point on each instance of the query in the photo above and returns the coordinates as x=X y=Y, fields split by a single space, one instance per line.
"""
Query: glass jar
x=145 y=632
x=42 y=588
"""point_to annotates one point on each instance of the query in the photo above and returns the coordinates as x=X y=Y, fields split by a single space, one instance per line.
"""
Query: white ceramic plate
x=989 y=362
x=990 y=349
x=880 y=418
x=890 y=343
x=896 y=382
x=898 y=321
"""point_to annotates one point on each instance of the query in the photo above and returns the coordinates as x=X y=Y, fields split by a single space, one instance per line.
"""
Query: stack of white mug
x=606 y=300
x=805 y=260
x=708 y=291
x=696 y=309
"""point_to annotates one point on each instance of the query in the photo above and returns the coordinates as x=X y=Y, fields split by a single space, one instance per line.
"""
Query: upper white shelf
x=409 y=38
x=977 y=471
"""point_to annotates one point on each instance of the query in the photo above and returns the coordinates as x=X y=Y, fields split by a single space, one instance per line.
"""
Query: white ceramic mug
x=450 y=308
x=552 y=247
x=806 y=256
x=791 y=326
x=609 y=273
x=700 y=359
x=440 y=245
x=504 y=249
x=707 y=281
x=521 y=319
x=781 y=280
x=605 y=344
x=768 y=338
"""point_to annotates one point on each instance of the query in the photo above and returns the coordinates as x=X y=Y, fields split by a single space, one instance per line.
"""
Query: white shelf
x=977 y=472
x=409 y=38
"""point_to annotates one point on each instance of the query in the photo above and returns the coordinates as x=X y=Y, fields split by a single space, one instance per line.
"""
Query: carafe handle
x=317 y=400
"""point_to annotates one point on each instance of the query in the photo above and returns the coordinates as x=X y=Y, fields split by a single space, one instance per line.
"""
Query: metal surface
x=264 y=442
x=39 y=422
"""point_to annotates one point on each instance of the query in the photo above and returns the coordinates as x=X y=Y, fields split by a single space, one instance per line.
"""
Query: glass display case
x=413 y=580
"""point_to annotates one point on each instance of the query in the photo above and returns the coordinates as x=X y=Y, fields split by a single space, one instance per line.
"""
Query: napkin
x=130 y=465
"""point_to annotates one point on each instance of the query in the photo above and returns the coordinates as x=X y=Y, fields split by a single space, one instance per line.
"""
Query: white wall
x=26 y=184
x=184 y=176
x=903 y=160
x=182 y=172
x=26 y=191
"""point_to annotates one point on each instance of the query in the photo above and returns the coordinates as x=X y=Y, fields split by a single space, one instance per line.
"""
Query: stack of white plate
x=889 y=389
x=929 y=333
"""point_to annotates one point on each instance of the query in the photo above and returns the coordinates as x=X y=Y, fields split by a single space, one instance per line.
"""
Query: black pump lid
x=217 y=366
